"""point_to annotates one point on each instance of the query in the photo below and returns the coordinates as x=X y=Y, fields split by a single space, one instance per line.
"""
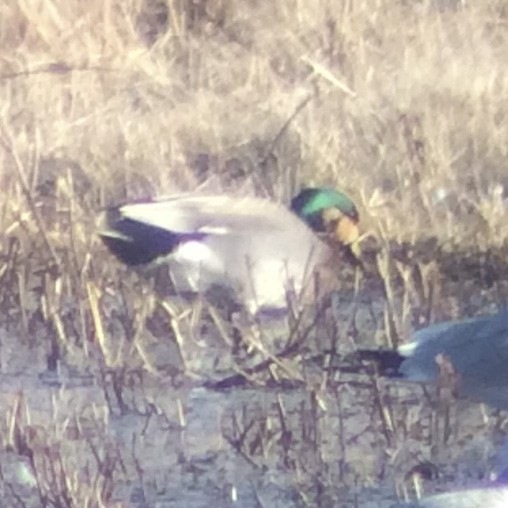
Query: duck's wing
x=215 y=215
x=138 y=233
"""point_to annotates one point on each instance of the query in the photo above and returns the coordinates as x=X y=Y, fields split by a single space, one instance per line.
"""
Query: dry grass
x=402 y=104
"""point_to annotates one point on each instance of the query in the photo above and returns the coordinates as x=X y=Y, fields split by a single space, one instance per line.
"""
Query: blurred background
x=402 y=105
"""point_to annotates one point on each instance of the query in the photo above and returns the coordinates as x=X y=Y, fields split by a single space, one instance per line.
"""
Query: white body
x=257 y=247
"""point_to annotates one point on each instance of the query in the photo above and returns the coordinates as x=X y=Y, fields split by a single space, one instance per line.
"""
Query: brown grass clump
x=401 y=104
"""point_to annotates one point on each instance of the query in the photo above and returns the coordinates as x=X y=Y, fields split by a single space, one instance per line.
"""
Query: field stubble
x=401 y=104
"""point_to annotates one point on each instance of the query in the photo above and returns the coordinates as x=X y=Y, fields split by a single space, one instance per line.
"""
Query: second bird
x=472 y=352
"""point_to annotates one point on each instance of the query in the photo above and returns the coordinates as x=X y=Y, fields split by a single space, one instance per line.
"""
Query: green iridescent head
x=327 y=210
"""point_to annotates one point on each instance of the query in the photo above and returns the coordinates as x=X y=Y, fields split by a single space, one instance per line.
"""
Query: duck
x=265 y=252
x=473 y=352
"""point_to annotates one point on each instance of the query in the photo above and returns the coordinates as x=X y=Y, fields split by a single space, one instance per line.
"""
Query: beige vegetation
x=403 y=104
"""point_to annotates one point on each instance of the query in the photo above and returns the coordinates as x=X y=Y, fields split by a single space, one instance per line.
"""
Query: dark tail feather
x=385 y=362
x=134 y=242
